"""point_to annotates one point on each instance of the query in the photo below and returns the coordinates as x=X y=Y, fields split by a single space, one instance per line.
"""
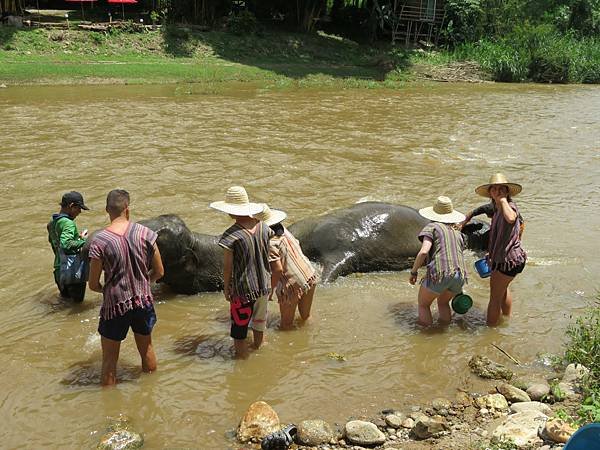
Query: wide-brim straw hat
x=499 y=178
x=442 y=211
x=270 y=216
x=236 y=203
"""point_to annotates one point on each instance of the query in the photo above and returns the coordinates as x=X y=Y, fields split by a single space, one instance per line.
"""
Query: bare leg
x=110 y=356
x=258 y=338
x=241 y=348
x=426 y=298
x=507 y=303
x=144 y=346
x=500 y=300
x=305 y=303
x=444 y=310
x=287 y=311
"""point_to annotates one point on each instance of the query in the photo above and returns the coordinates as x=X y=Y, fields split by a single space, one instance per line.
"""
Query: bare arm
x=420 y=259
x=227 y=270
x=509 y=214
x=276 y=272
x=157 y=271
x=94 y=277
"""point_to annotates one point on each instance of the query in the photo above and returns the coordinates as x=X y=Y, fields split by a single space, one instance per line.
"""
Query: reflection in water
x=307 y=152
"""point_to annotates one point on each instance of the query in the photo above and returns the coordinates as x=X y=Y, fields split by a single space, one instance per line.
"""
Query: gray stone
x=574 y=373
x=530 y=406
x=314 y=432
x=408 y=423
x=260 y=419
x=363 y=433
x=486 y=368
x=568 y=390
x=538 y=391
x=418 y=416
x=492 y=401
x=441 y=403
x=513 y=394
x=522 y=428
x=394 y=420
x=428 y=427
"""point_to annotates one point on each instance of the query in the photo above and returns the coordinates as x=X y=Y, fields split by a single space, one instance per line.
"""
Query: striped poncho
x=445 y=259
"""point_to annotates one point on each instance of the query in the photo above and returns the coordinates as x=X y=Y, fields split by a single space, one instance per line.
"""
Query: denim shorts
x=141 y=321
x=452 y=283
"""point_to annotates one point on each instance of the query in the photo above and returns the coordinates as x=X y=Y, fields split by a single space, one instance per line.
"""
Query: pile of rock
x=508 y=412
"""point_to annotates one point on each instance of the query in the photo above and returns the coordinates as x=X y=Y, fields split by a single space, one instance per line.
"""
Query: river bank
x=189 y=55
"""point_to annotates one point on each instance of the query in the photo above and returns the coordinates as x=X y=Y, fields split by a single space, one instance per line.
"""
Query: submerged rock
x=120 y=437
x=314 y=432
x=260 y=419
x=364 y=433
x=486 y=368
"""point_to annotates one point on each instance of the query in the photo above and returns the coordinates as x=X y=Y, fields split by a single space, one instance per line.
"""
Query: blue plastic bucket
x=482 y=268
x=586 y=438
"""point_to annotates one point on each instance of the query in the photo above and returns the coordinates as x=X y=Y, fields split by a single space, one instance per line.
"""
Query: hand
x=84 y=234
x=413 y=278
x=227 y=295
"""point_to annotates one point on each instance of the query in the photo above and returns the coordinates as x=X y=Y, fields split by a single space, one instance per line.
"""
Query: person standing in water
x=246 y=269
x=506 y=255
x=442 y=252
x=128 y=255
x=64 y=237
x=293 y=277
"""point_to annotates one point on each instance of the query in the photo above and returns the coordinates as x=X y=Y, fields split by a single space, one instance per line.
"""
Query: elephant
x=367 y=237
x=193 y=262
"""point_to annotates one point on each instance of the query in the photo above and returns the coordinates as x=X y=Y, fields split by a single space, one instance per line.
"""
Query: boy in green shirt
x=63 y=234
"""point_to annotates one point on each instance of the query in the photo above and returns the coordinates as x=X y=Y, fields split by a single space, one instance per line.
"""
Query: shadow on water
x=87 y=373
x=405 y=315
x=205 y=346
x=301 y=55
x=56 y=303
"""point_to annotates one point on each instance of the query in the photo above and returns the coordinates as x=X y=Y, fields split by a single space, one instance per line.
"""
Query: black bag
x=74 y=269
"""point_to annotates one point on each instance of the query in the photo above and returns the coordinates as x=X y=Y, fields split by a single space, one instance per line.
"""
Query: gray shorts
x=452 y=283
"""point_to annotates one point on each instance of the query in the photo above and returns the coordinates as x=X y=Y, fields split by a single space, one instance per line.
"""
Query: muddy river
x=177 y=148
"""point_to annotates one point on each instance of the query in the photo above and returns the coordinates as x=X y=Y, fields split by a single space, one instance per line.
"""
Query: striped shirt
x=298 y=273
x=505 y=251
x=251 y=274
x=445 y=258
x=126 y=261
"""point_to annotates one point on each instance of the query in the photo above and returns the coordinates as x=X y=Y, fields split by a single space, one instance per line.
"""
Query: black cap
x=73 y=197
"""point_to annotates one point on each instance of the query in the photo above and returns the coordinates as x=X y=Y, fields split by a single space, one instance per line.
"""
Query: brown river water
x=177 y=148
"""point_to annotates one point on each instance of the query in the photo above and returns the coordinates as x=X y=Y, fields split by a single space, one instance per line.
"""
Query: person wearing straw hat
x=442 y=252
x=294 y=279
x=246 y=270
x=506 y=255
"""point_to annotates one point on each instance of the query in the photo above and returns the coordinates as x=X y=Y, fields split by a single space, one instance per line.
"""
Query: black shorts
x=141 y=321
x=241 y=313
x=514 y=271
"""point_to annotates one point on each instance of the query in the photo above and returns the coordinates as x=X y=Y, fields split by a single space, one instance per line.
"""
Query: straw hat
x=499 y=178
x=236 y=203
x=442 y=211
x=270 y=216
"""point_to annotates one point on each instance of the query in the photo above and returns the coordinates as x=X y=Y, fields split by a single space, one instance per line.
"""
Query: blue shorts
x=141 y=321
x=452 y=283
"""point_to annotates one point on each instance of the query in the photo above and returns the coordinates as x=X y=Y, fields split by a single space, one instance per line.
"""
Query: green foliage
x=464 y=20
x=500 y=444
x=243 y=23
x=583 y=346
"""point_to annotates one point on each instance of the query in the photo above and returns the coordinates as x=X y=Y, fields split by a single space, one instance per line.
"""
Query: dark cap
x=73 y=197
